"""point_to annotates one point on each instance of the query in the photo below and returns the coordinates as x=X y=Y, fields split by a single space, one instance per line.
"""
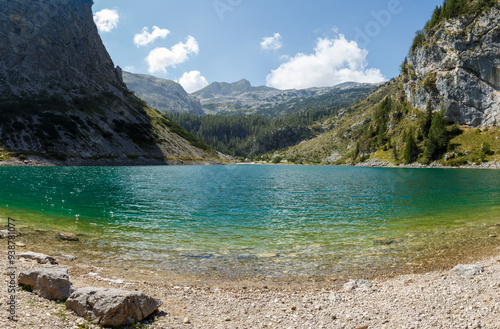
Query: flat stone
x=357 y=284
x=40 y=258
x=467 y=270
x=67 y=236
x=51 y=282
x=67 y=257
x=112 y=307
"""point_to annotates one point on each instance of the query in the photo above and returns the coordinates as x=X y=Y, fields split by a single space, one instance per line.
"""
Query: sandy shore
x=439 y=299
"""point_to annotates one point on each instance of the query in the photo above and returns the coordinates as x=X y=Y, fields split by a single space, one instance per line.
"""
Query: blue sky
x=279 y=43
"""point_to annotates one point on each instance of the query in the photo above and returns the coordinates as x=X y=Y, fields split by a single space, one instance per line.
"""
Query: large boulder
x=40 y=258
x=112 y=307
x=51 y=282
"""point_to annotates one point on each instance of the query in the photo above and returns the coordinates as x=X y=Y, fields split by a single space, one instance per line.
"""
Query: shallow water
x=247 y=220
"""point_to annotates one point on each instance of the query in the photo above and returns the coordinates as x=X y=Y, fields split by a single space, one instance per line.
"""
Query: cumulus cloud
x=106 y=20
x=161 y=58
x=334 y=61
x=145 y=38
x=193 y=81
x=271 y=43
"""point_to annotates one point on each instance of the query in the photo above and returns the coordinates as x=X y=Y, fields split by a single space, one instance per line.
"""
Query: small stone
x=363 y=327
x=293 y=308
x=467 y=270
x=67 y=236
x=357 y=284
x=67 y=257
x=20 y=244
x=227 y=319
x=187 y=321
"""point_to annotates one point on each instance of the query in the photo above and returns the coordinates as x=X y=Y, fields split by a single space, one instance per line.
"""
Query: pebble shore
x=440 y=299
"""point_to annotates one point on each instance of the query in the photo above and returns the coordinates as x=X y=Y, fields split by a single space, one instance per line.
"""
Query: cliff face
x=458 y=66
x=61 y=96
x=163 y=95
x=52 y=46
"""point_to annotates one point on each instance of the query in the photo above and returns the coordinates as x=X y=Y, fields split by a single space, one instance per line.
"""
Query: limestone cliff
x=458 y=66
x=62 y=98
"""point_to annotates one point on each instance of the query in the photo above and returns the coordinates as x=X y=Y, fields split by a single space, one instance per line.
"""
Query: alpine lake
x=283 y=222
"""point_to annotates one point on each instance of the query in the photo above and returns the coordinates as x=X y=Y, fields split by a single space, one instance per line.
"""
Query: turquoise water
x=256 y=220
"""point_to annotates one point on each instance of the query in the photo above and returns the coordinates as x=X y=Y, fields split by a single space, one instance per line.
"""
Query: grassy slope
x=356 y=125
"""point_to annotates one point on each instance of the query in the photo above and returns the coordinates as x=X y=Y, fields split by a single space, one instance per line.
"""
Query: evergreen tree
x=427 y=119
x=411 y=150
x=437 y=141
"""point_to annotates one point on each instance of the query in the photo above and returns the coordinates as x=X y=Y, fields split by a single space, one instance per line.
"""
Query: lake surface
x=251 y=220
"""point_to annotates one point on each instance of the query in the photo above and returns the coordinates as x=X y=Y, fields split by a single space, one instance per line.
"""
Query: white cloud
x=106 y=20
x=193 y=81
x=334 y=61
x=145 y=38
x=271 y=43
x=130 y=69
x=161 y=58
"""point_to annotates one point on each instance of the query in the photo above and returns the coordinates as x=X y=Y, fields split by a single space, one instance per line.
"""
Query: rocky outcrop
x=112 y=307
x=163 y=95
x=62 y=98
x=51 y=282
x=458 y=67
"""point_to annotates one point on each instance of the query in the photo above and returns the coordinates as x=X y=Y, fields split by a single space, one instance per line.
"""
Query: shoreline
x=433 y=299
x=38 y=161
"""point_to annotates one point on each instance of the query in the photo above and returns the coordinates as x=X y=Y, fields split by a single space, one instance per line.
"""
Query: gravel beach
x=439 y=299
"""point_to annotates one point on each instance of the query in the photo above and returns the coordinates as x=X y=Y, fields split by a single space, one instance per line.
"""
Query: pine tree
x=411 y=150
x=437 y=141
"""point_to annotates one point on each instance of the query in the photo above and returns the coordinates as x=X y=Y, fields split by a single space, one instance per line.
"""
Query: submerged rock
x=40 y=258
x=112 y=307
x=67 y=236
x=51 y=282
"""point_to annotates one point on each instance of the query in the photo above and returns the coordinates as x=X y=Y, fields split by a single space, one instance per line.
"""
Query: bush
x=277 y=159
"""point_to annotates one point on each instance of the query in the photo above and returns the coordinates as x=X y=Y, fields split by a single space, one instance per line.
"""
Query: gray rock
x=467 y=270
x=4 y=234
x=112 y=307
x=67 y=236
x=40 y=258
x=461 y=55
x=357 y=284
x=51 y=282
x=67 y=257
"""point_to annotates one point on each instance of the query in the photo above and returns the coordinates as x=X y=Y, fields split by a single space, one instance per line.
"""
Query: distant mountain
x=242 y=98
x=163 y=95
x=63 y=101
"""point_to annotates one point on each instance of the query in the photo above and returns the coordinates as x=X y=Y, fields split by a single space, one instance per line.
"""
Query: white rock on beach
x=467 y=270
x=51 y=282
x=112 y=307
x=40 y=258
x=357 y=284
